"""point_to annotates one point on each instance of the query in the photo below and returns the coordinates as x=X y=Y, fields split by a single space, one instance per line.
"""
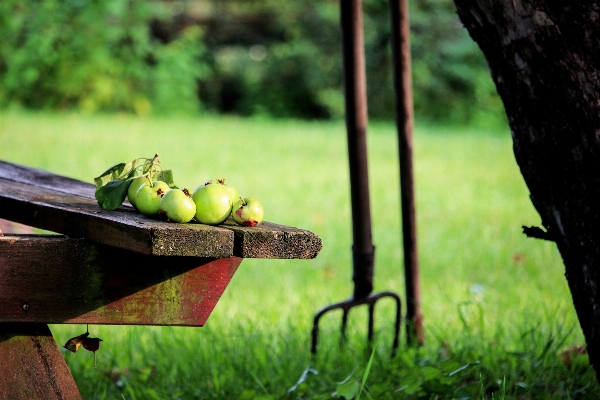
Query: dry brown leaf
x=569 y=354
x=74 y=343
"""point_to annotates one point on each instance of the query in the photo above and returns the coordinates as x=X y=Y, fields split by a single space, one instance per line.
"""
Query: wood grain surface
x=53 y=279
x=59 y=204
x=31 y=366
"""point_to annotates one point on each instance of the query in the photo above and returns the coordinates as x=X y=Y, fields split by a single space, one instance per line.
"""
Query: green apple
x=133 y=188
x=247 y=211
x=147 y=198
x=232 y=190
x=178 y=205
x=213 y=203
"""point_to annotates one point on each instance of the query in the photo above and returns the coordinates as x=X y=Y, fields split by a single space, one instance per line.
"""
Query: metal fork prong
x=397 y=325
x=398 y=302
x=370 y=301
x=317 y=318
x=315 y=334
x=315 y=329
x=371 y=317
x=346 y=310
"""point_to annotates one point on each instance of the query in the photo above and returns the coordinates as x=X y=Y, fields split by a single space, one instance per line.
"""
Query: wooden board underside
x=64 y=205
x=59 y=280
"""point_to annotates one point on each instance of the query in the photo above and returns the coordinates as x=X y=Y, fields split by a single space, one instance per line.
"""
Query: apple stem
x=154 y=166
x=243 y=201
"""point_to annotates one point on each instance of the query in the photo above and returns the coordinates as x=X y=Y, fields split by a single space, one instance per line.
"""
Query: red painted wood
x=53 y=279
x=31 y=366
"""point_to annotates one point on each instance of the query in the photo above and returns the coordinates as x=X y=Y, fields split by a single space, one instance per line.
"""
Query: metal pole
x=355 y=92
x=404 y=122
x=363 y=251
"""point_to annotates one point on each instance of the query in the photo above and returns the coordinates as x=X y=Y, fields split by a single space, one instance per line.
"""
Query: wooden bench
x=107 y=267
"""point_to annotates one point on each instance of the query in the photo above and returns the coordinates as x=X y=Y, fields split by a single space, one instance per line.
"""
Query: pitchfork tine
x=371 y=312
x=349 y=304
x=344 y=323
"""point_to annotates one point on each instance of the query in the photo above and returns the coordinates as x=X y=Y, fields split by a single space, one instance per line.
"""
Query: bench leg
x=31 y=365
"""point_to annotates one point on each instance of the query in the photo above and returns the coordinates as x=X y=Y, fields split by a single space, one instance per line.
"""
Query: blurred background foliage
x=252 y=57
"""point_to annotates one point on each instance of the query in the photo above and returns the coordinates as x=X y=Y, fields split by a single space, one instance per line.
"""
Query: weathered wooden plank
x=31 y=366
x=81 y=217
x=56 y=203
x=53 y=279
x=45 y=179
x=268 y=240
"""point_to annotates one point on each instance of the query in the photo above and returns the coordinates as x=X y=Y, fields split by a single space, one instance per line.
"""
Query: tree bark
x=544 y=56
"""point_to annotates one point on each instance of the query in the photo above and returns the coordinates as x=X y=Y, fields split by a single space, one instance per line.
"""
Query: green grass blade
x=366 y=374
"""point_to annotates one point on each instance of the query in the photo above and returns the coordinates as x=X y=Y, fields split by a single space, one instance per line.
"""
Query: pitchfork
x=363 y=250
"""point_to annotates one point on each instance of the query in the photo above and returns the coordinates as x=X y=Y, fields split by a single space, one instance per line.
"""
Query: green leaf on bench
x=151 y=164
x=112 y=195
x=120 y=171
x=167 y=177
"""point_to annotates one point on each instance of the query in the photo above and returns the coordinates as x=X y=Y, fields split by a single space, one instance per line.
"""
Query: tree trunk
x=544 y=57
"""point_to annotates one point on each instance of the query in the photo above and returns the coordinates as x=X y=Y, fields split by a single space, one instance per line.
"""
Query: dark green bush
x=95 y=55
x=264 y=57
x=300 y=75
x=450 y=75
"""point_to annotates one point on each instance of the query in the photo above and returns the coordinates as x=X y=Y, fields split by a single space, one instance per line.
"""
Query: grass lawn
x=497 y=309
